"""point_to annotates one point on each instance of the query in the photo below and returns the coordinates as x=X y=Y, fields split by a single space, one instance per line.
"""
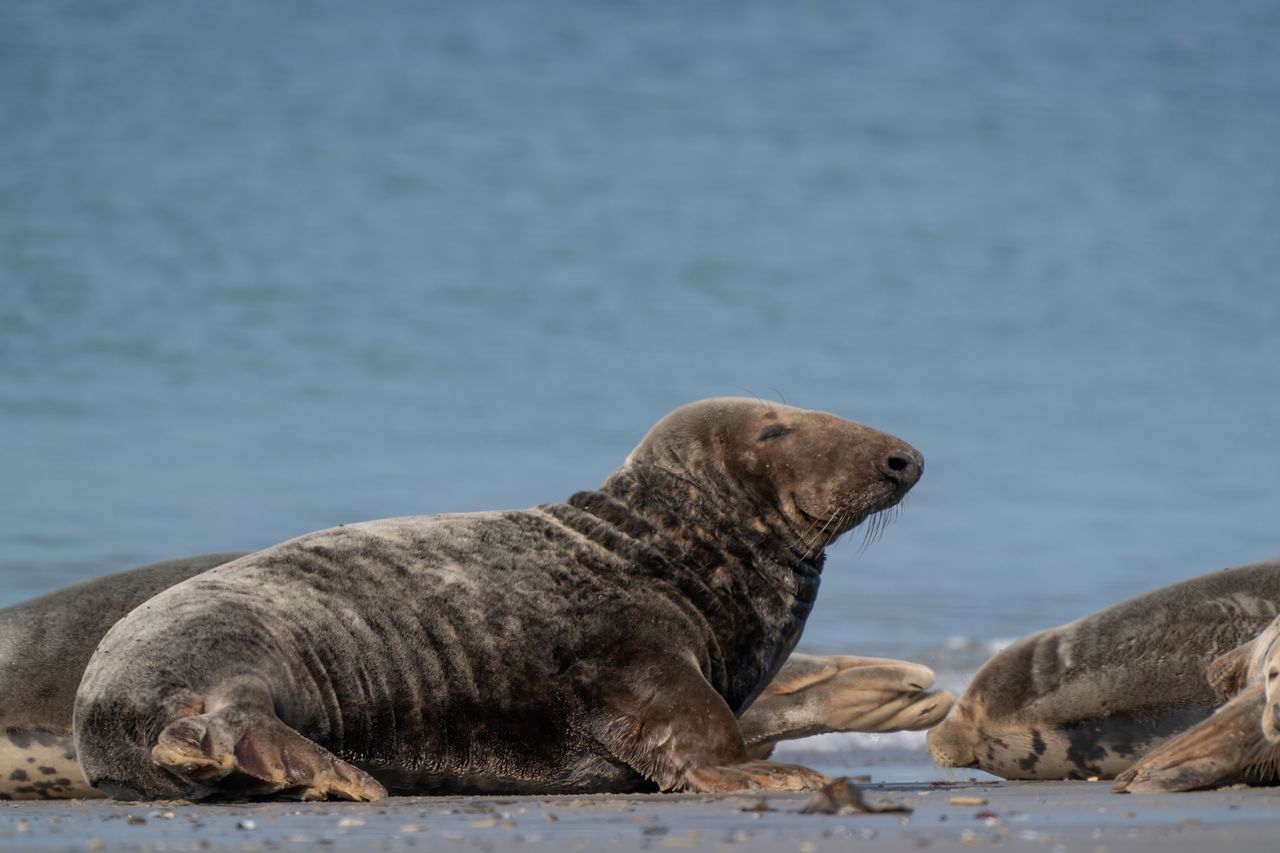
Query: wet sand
x=1050 y=816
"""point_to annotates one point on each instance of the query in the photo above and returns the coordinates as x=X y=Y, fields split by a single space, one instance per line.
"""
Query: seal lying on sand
x=1088 y=698
x=1239 y=743
x=602 y=644
x=46 y=643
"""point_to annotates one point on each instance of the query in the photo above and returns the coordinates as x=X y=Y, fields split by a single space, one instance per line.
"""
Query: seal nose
x=899 y=462
x=903 y=467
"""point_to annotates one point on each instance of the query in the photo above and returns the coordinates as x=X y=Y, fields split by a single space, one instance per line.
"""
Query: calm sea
x=269 y=267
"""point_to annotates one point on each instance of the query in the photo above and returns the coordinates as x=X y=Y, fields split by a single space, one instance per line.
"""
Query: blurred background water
x=270 y=267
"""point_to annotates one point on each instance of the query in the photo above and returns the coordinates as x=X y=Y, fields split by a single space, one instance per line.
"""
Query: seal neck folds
x=745 y=584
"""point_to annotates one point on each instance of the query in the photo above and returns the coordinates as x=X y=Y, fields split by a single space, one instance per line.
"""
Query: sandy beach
x=965 y=812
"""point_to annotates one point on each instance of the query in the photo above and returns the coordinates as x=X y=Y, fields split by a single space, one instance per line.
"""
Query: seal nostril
x=898 y=462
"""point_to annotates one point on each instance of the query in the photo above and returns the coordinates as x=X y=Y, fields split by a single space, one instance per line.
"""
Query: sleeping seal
x=602 y=644
x=1239 y=743
x=1088 y=698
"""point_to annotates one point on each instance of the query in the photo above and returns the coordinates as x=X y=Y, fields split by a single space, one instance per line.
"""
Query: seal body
x=602 y=644
x=1088 y=698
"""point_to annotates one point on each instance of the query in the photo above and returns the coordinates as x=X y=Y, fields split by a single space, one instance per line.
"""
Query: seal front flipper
x=664 y=720
x=239 y=748
x=1224 y=749
x=813 y=695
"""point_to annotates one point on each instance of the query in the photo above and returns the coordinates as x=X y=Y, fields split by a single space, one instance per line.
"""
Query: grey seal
x=1088 y=698
x=606 y=643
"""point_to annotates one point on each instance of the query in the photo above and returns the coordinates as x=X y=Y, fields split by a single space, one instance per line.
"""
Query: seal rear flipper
x=666 y=722
x=242 y=749
x=1224 y=749
x=813 y=695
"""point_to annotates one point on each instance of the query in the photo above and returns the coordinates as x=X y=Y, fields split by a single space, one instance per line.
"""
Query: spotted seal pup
x=602 y=644
x=1088 y=698
x=1240 y=743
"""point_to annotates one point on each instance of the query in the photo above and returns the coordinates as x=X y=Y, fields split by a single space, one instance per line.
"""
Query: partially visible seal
x=1088 y=698
x=602 y=644
x=1240 y=743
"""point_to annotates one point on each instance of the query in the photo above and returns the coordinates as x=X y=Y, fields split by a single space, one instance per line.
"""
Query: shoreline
x=1057 y=816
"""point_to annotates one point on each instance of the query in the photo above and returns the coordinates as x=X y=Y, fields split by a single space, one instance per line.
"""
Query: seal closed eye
x=772 y=432
x=606 y=643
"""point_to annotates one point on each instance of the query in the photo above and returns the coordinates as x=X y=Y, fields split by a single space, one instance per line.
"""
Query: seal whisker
x=812 y=544
x=879 y=522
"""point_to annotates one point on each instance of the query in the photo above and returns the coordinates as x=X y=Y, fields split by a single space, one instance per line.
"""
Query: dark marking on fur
x=18 y=776
x=1085 y=749
x=48 y=771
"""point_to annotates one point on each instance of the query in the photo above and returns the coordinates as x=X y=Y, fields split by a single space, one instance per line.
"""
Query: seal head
x=803 y=478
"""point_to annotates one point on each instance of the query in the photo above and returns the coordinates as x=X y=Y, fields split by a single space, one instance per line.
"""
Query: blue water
x=268 y=267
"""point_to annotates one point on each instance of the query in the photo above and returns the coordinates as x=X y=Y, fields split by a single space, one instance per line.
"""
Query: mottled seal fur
x=1088 y=698
x=602 y=644
x=45 y=644
x=1240 y=743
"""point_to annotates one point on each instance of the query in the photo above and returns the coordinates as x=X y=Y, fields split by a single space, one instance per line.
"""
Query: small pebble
x=23 y=826
x=135 y=819
x=968 y=801
x=348 y=822
x=95 y=844
x=410 y=827
x=246 y=823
